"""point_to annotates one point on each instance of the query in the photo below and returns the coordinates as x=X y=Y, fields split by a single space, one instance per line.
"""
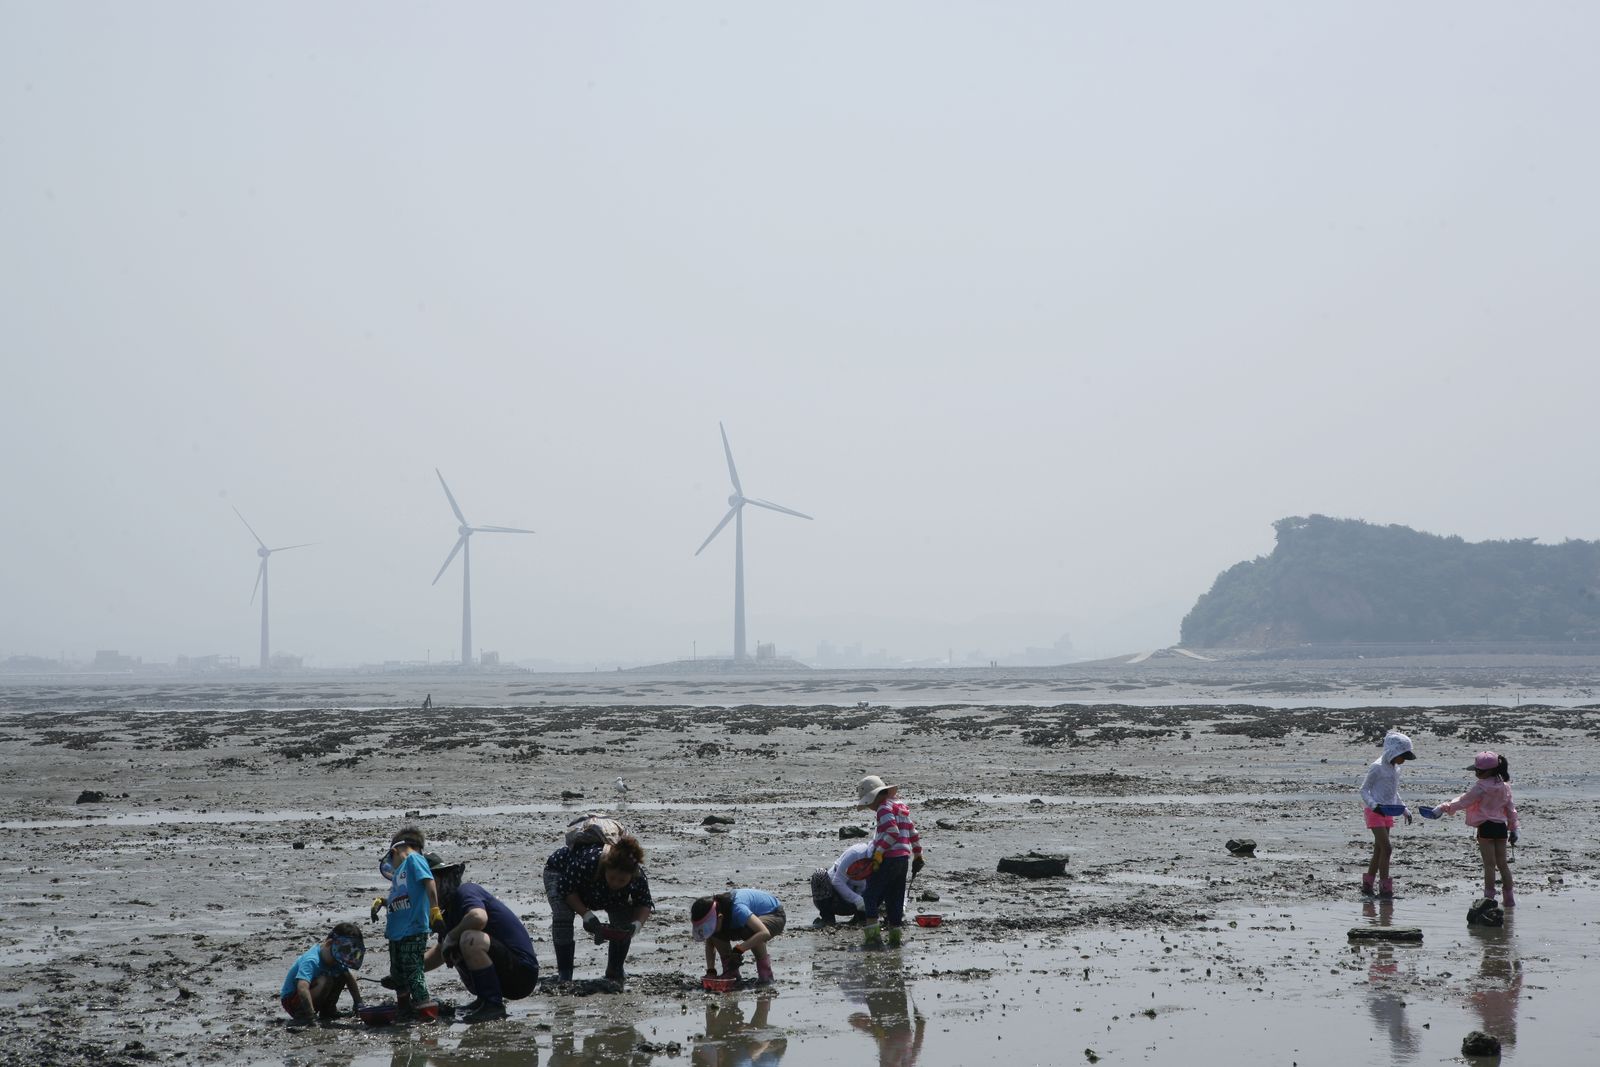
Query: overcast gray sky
x=1044 y=310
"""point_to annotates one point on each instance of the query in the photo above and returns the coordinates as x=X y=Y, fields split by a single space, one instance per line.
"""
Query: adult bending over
x=579 y=879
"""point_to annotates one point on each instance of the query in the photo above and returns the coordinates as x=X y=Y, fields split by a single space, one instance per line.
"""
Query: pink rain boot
x=764 y=971
x=1366 y=885
x=1509 y=900
x=1488 y=889
x=1386 y=889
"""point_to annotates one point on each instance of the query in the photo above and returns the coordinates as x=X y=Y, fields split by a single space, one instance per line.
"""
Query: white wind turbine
x=261 y=582
x=736 y=502
x=464 y=546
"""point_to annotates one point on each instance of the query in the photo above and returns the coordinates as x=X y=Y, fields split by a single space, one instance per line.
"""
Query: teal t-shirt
x=748 y=902
x=310 y=967
x=408 y=899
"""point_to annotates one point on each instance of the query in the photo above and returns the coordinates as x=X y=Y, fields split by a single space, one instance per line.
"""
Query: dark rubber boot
x=616 y=956
x=564 y=957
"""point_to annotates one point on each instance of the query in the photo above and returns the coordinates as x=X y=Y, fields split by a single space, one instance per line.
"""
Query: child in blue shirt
x=316 y=977
x=752 y=916
x=413 y=904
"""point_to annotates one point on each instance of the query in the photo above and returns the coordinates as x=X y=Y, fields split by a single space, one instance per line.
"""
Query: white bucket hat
x=868 y=789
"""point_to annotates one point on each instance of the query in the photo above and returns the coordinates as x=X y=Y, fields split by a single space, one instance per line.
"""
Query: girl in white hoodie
x=1380 y=793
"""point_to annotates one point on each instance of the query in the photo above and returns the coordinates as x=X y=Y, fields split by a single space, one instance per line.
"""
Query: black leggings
x=888 y=887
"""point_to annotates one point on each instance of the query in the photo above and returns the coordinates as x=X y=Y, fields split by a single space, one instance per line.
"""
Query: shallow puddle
x=1280 y=986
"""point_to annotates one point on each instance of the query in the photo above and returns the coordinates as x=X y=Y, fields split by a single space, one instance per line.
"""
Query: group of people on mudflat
x=433 y=917
x=601 y=868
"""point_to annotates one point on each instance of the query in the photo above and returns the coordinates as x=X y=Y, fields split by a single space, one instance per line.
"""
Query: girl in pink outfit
x=1489 y=807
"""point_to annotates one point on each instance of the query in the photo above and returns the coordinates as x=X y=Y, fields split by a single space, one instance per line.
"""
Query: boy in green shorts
x=413 y=904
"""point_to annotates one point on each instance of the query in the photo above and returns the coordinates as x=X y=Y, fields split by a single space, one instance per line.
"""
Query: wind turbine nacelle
x=735 y=500
x=464 y=531
x=263 y=552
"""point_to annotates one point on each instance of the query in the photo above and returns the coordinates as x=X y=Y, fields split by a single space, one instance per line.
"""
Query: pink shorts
x=1376 y=821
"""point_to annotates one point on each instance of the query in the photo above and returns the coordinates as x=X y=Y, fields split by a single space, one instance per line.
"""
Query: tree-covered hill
x=1342 y=580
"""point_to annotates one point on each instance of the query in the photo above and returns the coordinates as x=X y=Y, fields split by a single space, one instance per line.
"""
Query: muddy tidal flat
x=240 y=822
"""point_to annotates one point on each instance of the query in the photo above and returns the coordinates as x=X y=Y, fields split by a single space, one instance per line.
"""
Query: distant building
x=766 y=650
x=488 y=659
x=1060 y=652
x=212 y=662
x=31 y=665
x=109 y=659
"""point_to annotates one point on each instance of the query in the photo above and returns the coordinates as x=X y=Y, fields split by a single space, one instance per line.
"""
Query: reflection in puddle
x=1386 y=1002
x=730 y=1039
x=891 y=1018
x=1499 y=985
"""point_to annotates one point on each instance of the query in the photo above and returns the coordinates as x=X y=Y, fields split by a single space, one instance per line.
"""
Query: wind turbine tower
x=261 y=585
x=736 y=502
x=464 y=546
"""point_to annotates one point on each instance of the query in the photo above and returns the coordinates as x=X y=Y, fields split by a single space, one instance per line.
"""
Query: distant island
x=1331 y=581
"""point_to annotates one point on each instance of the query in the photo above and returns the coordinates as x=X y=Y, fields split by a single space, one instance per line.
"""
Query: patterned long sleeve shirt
x=577 y=869
x=897 y=834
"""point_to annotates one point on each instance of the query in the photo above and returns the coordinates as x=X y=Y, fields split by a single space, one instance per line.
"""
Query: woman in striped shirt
x=895 y=847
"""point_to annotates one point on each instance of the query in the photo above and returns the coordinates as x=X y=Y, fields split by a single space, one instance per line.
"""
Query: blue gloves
x=1390 y=809
x=1427 y=812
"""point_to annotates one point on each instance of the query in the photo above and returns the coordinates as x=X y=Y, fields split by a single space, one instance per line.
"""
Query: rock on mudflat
x=571 y=794
x=851 y=831
x=717 y=820
x=1035 y=865
x=1385 y=933
x=1479 y=1043
x=1486 y=912
x=929 y=896
x=1241 y=846
x=91 y=796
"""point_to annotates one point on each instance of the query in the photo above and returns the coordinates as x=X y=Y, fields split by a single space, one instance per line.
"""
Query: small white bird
x=621 y=787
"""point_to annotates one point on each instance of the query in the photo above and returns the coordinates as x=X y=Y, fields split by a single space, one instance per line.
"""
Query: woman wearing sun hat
x=896 y=849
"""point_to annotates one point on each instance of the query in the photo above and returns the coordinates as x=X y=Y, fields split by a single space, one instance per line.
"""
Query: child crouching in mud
x=751 y=915
x=1380 y=793
x=413 y=904
x=312 y=987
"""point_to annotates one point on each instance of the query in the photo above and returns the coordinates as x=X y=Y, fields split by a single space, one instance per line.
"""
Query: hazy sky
x=1044 y=310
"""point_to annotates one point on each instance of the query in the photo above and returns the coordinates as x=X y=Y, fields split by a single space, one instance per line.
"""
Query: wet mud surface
x=155 y=925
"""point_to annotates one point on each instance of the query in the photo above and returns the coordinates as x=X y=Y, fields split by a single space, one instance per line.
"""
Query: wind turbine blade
x=254 y=589
x=252 y=530
x=451 y=497
x=499 y=529
x=733 y=472
x=459 y=542
x=286 y=548
x=770 y=506
x=725 y=520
